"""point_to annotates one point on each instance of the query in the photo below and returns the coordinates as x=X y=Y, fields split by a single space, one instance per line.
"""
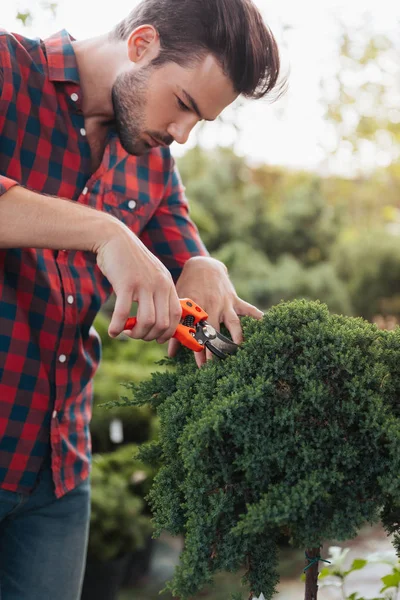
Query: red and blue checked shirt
x=49 y=350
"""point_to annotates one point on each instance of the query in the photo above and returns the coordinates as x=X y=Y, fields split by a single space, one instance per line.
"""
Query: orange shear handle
x=184 y=332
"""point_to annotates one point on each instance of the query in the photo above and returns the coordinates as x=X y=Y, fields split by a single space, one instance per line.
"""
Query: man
x=83 y=211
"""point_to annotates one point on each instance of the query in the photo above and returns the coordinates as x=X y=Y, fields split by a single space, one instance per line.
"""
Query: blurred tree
x=362 y=101
x=123 y=361
x=274 y=210
x=27 y=16
x=304 y=225
x=220 y=182
x=265 y=284
x=369 y=264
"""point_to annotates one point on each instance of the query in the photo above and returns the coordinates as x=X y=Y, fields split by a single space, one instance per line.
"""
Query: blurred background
x=299 y=198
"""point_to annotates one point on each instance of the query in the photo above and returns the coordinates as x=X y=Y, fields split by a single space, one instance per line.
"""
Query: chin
x=137 y=149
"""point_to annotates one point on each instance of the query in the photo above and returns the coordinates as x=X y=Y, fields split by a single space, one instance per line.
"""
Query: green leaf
x=358 y=563
x=391 y=580
x=355 y=596
x=325 y=572
x=52 y=7
x=24 y=17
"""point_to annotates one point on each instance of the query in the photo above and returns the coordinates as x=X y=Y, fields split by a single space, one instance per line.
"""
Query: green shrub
x=265 y=284
x=370 y=267
x=120 y=521
x=303 y=225
x=123 y=361
x=298 y=433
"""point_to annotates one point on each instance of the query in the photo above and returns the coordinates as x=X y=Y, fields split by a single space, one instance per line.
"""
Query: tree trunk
x=312 y=574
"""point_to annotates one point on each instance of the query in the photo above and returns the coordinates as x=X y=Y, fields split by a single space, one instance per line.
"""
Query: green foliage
x=296 y=433
x=300 y=223
x=362 y=106
x=25 y=17
x=221 y=184
x=285 y=235
x=369 y=265
x=123 y=361
x=120 y=521
x=304 y=225
x=265 y=284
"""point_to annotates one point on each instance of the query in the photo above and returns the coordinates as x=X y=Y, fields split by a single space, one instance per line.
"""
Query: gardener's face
x=155 y=106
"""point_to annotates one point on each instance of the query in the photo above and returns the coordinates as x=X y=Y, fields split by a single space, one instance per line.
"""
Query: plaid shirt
x=49 y=350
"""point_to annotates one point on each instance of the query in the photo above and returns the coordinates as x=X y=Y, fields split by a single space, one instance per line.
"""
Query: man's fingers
x=246 y=309
x=161 y=322
x=120 y=315
x=146 y=316
x=174 y=316
x=173 y=347
x=209 y=355
x=232 y=322
x=200 y=358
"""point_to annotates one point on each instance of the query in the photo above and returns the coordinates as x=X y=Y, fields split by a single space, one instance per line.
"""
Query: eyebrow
x=194 y=106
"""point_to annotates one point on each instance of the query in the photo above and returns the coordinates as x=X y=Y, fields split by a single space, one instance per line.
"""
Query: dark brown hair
x=231 y=30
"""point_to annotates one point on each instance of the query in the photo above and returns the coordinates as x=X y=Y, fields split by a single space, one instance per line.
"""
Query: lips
x=152 y=141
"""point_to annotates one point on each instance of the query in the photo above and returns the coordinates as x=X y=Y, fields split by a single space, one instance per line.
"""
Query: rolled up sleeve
x=6 y=183
x=170 y=234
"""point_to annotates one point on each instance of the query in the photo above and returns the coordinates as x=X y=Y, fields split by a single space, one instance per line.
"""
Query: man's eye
x=182 y=105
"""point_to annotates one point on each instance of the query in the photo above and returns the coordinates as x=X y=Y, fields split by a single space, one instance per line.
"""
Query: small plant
x=336 y=574
x=298 y=433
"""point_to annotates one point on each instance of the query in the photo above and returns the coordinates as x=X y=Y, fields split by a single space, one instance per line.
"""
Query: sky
x=292 y=131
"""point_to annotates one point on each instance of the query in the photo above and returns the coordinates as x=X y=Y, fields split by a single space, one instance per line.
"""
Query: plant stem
x=343 y=592
x=311 y=592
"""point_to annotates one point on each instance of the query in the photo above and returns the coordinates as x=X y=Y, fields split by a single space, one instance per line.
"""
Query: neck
x=99 y=60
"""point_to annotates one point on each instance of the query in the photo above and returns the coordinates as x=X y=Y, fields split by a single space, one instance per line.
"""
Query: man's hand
x=31 y=220
x=136 y=275
x=206 y=281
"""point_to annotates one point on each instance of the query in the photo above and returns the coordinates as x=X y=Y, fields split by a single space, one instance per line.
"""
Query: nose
x=180 y=132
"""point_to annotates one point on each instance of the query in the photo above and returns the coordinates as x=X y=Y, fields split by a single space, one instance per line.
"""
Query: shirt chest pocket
x=132 y=211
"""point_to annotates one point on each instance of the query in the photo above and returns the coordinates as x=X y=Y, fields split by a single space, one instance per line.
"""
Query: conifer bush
x=298 y=433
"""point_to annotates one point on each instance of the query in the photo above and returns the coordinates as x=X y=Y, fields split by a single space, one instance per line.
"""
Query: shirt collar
x=61 y=57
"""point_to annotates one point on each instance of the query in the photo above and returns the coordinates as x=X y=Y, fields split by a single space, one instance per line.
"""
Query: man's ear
x=143 y=44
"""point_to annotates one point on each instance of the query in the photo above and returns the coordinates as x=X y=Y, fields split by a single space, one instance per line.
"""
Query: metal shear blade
x=217 y=343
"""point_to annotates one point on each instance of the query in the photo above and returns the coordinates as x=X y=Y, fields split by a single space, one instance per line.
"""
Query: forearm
x=31 y=220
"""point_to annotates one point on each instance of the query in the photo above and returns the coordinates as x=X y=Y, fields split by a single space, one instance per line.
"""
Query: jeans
x=43 y=541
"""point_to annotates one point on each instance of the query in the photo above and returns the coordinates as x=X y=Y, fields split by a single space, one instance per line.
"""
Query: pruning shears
x=196 y=333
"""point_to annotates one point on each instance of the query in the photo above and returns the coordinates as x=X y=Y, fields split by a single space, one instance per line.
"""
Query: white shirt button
x=85 y=191
x=70 y=299
x=131 y=204
x=54 y=414
x=74 y=97
x=83 y=131
x=62 y=358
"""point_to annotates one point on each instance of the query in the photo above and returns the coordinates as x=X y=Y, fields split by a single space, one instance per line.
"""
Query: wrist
x=106 y=229
x=206 y=262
